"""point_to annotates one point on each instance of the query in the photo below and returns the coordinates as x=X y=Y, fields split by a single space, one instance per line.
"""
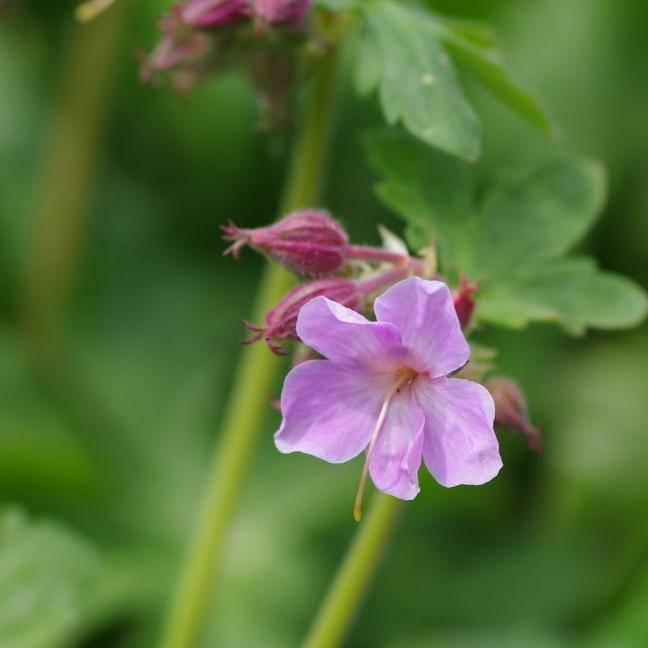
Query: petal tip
x=481 y=475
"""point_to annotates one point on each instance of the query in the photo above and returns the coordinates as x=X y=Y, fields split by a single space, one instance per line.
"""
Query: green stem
x=63 y=185
x=352 y=579
x=66 y=176
x=257 y=371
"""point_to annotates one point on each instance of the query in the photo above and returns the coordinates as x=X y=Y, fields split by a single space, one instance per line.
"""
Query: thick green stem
x=352 y=579
x=257 y=371
x=65 y=179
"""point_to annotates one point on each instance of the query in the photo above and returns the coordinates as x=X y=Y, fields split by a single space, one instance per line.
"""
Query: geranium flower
x=384 y=388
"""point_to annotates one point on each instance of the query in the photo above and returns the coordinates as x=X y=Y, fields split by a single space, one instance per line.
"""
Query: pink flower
x=384 y=388
x=307 y=241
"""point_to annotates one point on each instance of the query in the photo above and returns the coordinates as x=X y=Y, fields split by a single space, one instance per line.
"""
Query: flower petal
x=397 y=454
x=329 y=410
x=342 y=335
x=424 y=314
x=460 y=446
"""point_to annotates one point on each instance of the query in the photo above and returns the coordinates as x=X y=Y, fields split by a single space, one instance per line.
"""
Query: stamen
x=403 y=376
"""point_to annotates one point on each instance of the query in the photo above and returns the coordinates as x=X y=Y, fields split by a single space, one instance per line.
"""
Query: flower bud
x=511 y=410
x=281 y=321
x=182 y=56
x=281 y=12
x=211 y=13
x=309 y=242
x=463 y=301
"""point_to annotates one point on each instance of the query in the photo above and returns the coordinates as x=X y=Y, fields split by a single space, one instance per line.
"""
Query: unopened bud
x=182 y=56
x=211 y=13
x=309 y=242
x=281 y=12
x=463 y=301
x=281 y=321
x=511 y=410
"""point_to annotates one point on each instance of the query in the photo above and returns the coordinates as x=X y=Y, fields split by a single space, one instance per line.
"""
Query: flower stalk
x=257 y=371
x=354 y=575
x=66 y=176
x=385 y=279
x=379 y=255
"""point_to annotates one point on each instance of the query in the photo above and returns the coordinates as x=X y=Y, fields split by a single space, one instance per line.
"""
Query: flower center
x=402 y=377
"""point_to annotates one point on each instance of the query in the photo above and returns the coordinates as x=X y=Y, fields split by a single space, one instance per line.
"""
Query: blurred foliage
x=513 y=240
x=109 y=432
x=46 y=574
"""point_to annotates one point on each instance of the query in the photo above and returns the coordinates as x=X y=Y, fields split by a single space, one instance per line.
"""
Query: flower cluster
x=310 y=242
x=400 y=388
x=201 y=37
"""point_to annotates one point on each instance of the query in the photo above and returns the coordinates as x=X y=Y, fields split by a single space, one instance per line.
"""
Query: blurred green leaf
x=45 y=573
x=402 y=57
x=473 y=31
x=535 y=214
x=513 y=240
x=474 y=48
x=570 y=292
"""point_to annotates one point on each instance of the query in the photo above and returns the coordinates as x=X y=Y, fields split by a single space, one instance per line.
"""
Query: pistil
x=403 y=376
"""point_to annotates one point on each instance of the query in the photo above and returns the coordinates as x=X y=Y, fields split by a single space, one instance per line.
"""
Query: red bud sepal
x=511 y=410
x=309 y=242
x=280 y=322
x=464 y=301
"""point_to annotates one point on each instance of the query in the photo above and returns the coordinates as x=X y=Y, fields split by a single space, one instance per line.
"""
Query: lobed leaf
x=438 y=210
x=570 y=292
x=473 y=31
x=400 y=56
x=514 y=239
x=534 y=214
x=475 y=50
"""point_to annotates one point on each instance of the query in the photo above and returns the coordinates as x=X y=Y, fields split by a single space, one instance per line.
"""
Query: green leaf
x=473 y=31
x=407 y=190
x=401 y=56
x=535 y=214
x=514 y=239
x=475 y=51
x=45 y=575
x=570 y=292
